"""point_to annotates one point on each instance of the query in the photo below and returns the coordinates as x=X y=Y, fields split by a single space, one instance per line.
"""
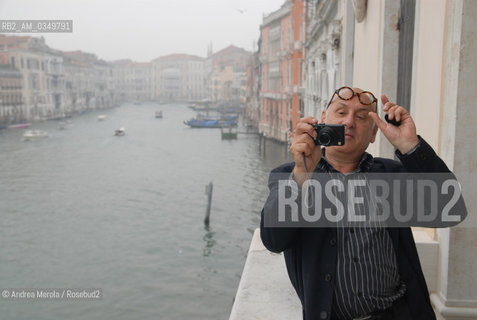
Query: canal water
x=87 y=209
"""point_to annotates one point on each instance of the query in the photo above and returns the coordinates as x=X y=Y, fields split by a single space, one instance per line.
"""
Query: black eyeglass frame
x=358 y=94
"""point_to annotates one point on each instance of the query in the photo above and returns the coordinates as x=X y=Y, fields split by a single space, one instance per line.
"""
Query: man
x=354 y=273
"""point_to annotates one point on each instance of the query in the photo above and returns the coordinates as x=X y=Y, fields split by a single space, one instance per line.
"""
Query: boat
x=201 y=116
x=65 y=124
x=102 y=117
x=229 y=134
x=19 y=126
x=136 y=103
x=158 y=114
x=32 y=135
x=119 y=132
x=201 y=123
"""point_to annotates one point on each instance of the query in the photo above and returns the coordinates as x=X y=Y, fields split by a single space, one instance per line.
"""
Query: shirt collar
x=364 y=165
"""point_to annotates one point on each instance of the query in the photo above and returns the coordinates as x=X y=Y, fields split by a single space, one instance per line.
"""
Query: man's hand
x=303 y=143
x=404 y=137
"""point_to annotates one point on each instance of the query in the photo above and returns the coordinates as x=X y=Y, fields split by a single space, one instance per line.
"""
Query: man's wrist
x=299 y=175
x=409 y=146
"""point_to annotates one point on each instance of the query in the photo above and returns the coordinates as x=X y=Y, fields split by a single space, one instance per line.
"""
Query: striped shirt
x=367 y=277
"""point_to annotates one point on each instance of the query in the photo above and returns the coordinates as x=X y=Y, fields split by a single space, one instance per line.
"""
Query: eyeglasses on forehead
x=347 y=93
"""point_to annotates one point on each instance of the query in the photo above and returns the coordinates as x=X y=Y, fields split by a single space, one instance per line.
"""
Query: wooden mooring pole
x=208 y=190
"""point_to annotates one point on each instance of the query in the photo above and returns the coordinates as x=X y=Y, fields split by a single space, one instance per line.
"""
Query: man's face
x=360 y=129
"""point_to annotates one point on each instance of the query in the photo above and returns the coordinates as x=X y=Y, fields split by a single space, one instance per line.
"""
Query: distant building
x=252 y=91
x=180 y=77
x=133 y=81
x=228 y=74
x=11 y=100
x=88 y=82
x=42 y=73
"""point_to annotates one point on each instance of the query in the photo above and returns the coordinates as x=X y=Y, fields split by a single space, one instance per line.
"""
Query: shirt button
x=323 y=315
x=360 y=294
x=333 y=242
x=355 y=259
x=351 y=230
x=328 y=277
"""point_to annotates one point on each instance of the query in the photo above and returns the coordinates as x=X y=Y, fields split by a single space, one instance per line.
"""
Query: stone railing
x=265 y=292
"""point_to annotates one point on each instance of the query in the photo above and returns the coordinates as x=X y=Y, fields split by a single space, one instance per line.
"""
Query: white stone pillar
x=457 y=288
x=389 y=48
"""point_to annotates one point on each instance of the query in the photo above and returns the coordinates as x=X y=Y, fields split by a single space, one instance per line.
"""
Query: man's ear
x=323 y=116
x=375 y=131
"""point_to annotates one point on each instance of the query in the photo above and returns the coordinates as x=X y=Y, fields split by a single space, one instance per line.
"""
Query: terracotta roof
x=13 y=40
x=181 y=56
x=230 y=49
x=130 y=64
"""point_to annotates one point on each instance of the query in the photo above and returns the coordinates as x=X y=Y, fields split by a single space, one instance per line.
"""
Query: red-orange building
x=280 y=54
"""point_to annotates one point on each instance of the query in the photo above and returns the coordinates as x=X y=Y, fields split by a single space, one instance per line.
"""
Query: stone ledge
x=265 y=291
x=451 y=313
x=428 y=250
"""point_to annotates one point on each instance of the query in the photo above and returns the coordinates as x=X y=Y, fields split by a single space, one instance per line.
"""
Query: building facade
x=180 y=77
x=42 y=73
x=133 y=81
x=329 y=51
x=252 y=93
x=11 y=98
x=281 y=57
x=385 y=47
x=88 y=82
x=228 y=75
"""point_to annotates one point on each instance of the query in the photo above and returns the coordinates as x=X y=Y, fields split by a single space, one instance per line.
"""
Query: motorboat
x=201 y=116
x=158 y=114
x=207 y=123
x=19 y=126
x=32 y=135
x=119 y=132
x=65 y=124
x=102 y=117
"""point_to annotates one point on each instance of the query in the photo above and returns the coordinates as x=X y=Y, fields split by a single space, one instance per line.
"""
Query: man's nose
x=349 y=120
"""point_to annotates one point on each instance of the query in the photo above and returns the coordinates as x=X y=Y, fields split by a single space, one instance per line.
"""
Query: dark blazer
x=311 y=253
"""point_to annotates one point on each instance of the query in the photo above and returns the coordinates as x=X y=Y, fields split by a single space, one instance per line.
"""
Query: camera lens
x=324 y=139
x=326 y=136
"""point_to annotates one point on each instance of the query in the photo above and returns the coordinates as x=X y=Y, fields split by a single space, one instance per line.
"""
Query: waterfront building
x=385 y=47
x=421 y=54
x=88 y=82
x=133 y=81
x=42 y=73
x=11 y=100
x=180 y=77
x=228 y=74
x=252 y=92
x=281 y=57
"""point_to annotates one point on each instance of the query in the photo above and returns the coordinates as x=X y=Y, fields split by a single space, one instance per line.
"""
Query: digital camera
x=329 y=134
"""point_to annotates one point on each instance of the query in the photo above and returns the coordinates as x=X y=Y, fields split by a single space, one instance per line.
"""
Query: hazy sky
x=146 y=29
